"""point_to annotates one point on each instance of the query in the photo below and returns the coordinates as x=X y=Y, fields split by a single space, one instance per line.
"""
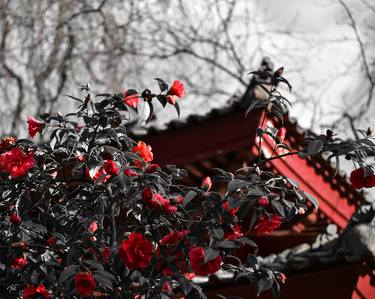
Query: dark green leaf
x=312 y=199
x=315 y=146
x=162 y=85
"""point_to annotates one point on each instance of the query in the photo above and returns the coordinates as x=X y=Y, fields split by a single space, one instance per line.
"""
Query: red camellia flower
x=167 y=271
x=19 y=262
x=159 y=202
x=281 y=134
x=34 y=126
x=281 y=277
x=144 y=151
x=196 y=256
x=179 y=199
x=267 y=224
x=359 y=180
x=177 y=89
x=263 y=201
x=84 y=283
x=16 y=162
x=131 y=98
x=7 y=142
x=15 y=219
x=130 y=172
x=189 y=275
x=206 y=184
x=51 y=241
x=235 y=234
x=167 y=288
x=31 y=292
x=93 y=227
x=100 y=173
x=146 y=194
x=110 y=167
x=136 y=251
x=173 y=238
x=232 y=211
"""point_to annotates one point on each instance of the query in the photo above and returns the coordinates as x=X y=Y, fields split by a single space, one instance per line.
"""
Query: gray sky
x=319 y=51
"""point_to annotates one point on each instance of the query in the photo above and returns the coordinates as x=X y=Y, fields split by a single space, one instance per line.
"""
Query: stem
x=260 y=138
x=276 y=157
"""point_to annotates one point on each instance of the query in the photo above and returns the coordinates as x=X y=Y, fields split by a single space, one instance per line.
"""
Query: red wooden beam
x=198 y=141
x=331 y=203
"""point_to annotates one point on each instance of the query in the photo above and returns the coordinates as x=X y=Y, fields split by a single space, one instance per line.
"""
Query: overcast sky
x=319 y=51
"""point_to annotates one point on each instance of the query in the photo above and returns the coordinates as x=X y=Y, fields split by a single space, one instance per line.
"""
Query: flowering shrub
x=88 y=214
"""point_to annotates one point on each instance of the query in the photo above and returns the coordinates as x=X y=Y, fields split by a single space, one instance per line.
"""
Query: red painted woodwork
x=330 y=201
x=364 y=289
x=199 y=141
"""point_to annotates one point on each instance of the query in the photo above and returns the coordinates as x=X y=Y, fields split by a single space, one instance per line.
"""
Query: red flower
x=100 y=173
x=232 y=211
x=136 y=251
x=206 y=184
x=93 y=227
x=157 y=201
x=267 y=224
x=359 y=180
x=196 y=256
x=235 y=234
x=7 y=142
x=111 y=167
x=281 y=277
x=179 y=199
x=51 y=241
x=263 y=201
x=31 y=292
x=146 y=194
x=131 y=98
x=130 y=172
x=34 y=126
x=167 y=271
x=19 y=262
x=173 y=237
x=144 y=151
x=16 y=162
x=189 y=275
x=281 y=134
x=80 y=158
x=177 y=89
x=15 y=219
x=84 y=283
x=166 y=288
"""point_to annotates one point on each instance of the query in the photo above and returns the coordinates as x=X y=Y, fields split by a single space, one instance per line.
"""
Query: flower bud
x=15 y=219
x=206 y=184
x=263 y=201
